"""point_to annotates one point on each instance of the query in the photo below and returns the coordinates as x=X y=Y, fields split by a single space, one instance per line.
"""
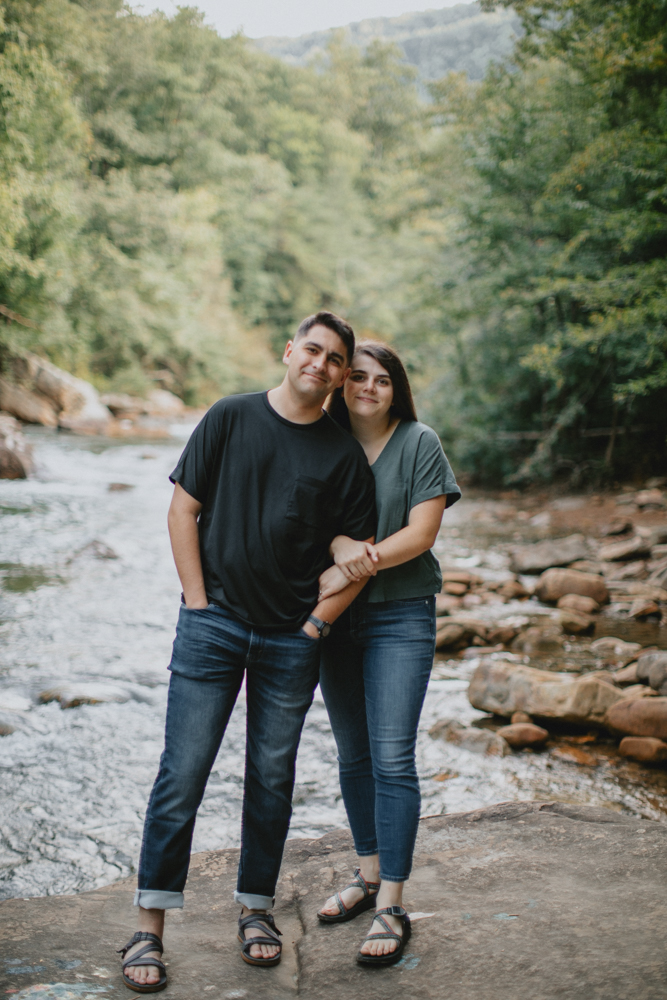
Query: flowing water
x=89 y=596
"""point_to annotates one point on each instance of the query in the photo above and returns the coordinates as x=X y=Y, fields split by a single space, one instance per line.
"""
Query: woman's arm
x=357 y=560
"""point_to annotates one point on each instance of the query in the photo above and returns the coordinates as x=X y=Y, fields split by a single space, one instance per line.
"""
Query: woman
x=376 y=662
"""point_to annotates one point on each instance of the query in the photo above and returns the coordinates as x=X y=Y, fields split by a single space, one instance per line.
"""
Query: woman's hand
x=332 y=581
x=355 y=559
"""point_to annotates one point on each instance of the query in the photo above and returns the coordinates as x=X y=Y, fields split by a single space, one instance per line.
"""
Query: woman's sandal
x=393 y=956
x=139 y=958
x=370 y=890
x=264 y=922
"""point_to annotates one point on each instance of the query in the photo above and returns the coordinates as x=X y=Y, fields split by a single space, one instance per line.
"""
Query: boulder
x=42 y=393
x=639 y=691
x=468 y=738
x=542 y=555
x=652 y=667
x=520 y=717
x=540 y=640
x=502 y=634
x=634 y=588
x=575 y=623
x=627 y=675
x=122 y=405
x=556 y=583
x=504 y=688
x=461 y=576
x=615 y=651
x=87 y=693
x=632 y=548
x=15 y=452
x=590 y=566
x=453 y=588
x=523 y=734
x=638 y=717
x=645 y=749
x=513 y=590
x=577 y=602
x=26 y=405
x=161 y=403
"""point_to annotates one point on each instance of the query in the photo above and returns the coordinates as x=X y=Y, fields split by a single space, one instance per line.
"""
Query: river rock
x=627 y=675
x=445 y=604
x=652 y=667
x=453 y=588
x=575 y=623
x=469 y=738
x=650 y=498
x=39 y=392
x=591 y=566
x=161 y=403
x=556 y=583
x=540 y=640
x=461 y=576
x=645 y=749
x=86 y=693
x=451 y=635
x=577 y=602
x=523 y=734
x=15 y=452
x=520 y=717
x=615 y=651
x=504 y=688
x=630 y=549
x=542 y=555
x=617 y=526
x=503 y=634
x=638 y=717
x=642 y=607
x=635 y=588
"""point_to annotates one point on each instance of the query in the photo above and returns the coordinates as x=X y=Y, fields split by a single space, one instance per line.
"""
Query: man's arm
x=184 y=534
x=332 y=607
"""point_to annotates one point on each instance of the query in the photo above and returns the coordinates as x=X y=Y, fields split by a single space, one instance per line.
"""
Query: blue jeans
x=374 y=671
x=212 y=652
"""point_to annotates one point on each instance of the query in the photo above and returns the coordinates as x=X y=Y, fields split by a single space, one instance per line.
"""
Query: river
x=89 y=595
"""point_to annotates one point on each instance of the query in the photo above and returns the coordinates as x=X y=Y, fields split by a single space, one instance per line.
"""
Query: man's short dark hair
x=332 y=322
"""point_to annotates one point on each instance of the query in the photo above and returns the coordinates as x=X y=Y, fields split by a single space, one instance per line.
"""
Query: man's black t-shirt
x=274 y=494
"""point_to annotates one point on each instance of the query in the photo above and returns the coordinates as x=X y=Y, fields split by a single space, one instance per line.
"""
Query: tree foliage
x=172 y=203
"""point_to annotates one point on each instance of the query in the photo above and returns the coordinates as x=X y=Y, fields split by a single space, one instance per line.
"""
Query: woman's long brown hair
x=402 y=404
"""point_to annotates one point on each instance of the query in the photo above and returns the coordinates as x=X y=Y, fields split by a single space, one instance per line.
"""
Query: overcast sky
x=291 y=17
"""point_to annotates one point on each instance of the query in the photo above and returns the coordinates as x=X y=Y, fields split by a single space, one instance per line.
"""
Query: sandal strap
x=385 y=937
x=142 y=936
x=394 y=911
x=368 y=887
x=144 y=961
x=263 y=922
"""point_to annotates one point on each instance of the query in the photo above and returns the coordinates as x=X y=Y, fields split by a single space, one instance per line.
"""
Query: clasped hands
x=352 y=562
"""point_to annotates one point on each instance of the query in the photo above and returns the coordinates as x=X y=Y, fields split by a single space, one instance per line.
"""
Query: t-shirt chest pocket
x=313 y=503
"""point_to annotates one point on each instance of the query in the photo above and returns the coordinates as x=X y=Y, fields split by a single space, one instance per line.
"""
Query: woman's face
x=368 y=391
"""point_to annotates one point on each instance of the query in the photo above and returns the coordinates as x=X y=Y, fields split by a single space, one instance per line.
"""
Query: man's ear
x=346 y=375
x=288 y=351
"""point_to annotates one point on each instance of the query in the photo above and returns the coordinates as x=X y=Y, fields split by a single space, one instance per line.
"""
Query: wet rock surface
x=503 y=883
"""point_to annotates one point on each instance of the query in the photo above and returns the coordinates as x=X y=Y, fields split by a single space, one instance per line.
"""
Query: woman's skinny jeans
x=374 y=671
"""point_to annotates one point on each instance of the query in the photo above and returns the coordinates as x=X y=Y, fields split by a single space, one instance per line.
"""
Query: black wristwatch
x=322 y=627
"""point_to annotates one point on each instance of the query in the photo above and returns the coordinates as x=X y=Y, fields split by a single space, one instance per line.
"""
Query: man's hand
x=356 y=560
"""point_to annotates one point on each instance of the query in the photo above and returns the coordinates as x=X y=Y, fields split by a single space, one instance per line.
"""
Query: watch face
x=324 y=631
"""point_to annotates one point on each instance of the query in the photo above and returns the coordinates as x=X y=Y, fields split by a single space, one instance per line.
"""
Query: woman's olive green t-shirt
x=411 y=468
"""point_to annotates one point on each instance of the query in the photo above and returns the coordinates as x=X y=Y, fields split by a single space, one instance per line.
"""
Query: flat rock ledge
x=532 y=900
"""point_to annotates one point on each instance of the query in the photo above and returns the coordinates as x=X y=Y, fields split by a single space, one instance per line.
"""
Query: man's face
x=316 y=363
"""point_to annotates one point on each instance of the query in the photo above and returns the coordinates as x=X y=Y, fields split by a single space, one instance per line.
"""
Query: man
x=265 y=483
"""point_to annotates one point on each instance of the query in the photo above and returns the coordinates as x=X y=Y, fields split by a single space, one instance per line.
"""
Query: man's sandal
x=393 y=956
x=370 y=891
x=266 y=923
x=139 y=958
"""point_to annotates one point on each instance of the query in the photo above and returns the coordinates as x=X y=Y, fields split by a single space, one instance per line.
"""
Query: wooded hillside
x=172 y=203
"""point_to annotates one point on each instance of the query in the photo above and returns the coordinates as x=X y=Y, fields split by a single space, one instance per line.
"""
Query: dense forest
x=172 y=203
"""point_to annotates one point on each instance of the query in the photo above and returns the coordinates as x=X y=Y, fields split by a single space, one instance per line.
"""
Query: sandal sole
x=390 y=959
x=340 y=918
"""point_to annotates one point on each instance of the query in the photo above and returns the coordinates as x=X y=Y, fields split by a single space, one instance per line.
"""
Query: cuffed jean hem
x=366 y=854
x=393 y=878
x=254 y=902
x=158 y=899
